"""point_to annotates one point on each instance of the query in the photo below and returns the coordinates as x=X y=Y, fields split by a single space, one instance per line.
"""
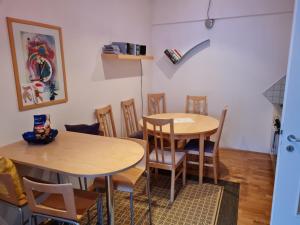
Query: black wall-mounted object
x=143 y=50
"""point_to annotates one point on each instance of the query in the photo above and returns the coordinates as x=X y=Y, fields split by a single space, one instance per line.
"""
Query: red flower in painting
x=40 y=61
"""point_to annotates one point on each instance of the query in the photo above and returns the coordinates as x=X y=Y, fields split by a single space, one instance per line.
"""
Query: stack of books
x=111 y=49
x=174 y=55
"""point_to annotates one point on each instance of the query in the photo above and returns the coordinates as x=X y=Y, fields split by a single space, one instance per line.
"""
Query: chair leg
x=35 y=220
x=80 y=183
x=33 y=217
x=215 y=170
x=86 y=188
x=30 y=220
x=218 y=162
x=156 y=173
x=131 y=209
x=99 y=210
x=149 y=196
x=21 y=216
x=184 y=172
x=172 y=186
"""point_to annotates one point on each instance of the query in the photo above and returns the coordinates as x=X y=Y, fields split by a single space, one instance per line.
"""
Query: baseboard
x=243 y=150
x=274 y=160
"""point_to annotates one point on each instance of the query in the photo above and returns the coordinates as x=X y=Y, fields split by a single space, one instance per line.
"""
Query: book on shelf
x=177 y=52
x=173 y=54
x=111 y=49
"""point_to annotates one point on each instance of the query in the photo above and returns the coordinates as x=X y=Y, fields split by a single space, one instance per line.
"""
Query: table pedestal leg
x=110 y=199
x=201 y=158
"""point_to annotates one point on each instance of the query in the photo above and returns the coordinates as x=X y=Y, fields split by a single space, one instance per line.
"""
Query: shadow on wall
x=169 y=69
x=116 y=69
x=98 y=70
x=106 y=69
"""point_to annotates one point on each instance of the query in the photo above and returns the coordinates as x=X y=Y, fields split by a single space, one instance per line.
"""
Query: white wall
x=91 y=82
x=169 y=11
x=246 y=55
x=86 y=27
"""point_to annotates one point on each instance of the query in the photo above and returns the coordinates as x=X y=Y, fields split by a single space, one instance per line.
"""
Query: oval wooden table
x=189 y=126
x=80 y=155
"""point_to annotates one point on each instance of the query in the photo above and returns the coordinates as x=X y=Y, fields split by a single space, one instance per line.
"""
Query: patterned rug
x=194 y=204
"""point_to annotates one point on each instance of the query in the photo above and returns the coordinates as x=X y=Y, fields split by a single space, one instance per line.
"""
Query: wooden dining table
x=189 y=126
x=81 y=155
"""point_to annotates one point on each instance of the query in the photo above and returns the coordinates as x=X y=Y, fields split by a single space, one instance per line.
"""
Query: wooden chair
x=196 y=104
x=211 y=149
x=161 y=157
x=131 y=123
x=126 y=180
x=62 y=202
x=156 y=103
x=10 y=198
x=106 y=120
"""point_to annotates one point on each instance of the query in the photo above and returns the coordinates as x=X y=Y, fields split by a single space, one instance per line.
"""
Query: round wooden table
x=189 y=126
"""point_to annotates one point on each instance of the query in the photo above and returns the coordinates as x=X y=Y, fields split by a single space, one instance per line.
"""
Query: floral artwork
x=40 y=67
x=38 y=63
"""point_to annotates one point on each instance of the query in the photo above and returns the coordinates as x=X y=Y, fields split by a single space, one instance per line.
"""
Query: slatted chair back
x=64 y=190
x=7 y=184
x=196 y=104
x=156 y=126
x=156 y=103
x=219 y=131
x=130 y=117
x=106 y=120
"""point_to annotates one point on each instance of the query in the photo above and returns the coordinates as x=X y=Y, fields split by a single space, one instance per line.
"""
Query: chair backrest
x=93 y=129
x=8 y=191
x=61 y=190
x=196 y=104
x=156 y=103
x=106 y=120
x=143 y=143
x=156 y=126
x=11 y=189
x=219 y=131
x=130 y=117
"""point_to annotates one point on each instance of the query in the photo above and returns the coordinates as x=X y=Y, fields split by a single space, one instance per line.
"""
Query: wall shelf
x=127 y=57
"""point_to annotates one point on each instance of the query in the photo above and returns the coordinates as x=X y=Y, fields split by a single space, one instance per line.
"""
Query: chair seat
x=138 y=135
x=167 y=156
x=83 y=201
x=192 y=147
x=123 y=181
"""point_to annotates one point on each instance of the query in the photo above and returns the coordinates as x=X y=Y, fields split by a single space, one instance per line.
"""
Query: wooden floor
x=254 y=172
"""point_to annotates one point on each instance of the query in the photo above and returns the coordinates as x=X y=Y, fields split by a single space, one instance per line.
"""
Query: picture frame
x=38 y=63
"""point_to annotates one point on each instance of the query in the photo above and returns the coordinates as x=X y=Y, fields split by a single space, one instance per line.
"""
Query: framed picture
x=38 y=62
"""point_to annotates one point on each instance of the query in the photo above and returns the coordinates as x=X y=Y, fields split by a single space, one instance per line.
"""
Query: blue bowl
x=31 y=138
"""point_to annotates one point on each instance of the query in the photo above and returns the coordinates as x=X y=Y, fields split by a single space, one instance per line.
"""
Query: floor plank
x=255 y=174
